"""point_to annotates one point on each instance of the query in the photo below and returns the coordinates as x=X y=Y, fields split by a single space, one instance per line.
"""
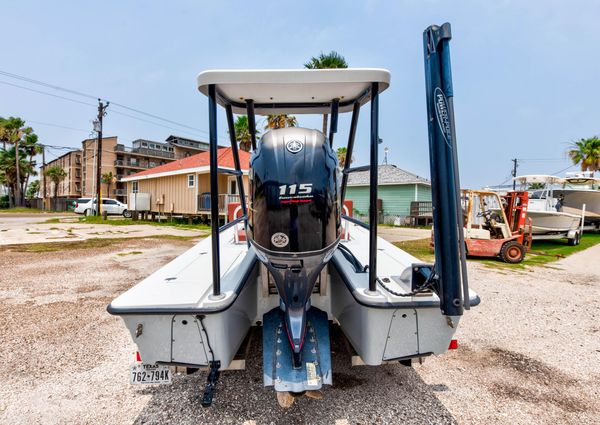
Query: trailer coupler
x=211 y=383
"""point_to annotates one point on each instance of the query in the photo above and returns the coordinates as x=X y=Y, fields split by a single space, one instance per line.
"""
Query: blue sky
x=525 y=73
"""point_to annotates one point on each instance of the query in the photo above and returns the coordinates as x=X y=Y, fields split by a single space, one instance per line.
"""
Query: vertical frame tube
x=236 y=158
x=251 y=121
x=335 y=104
x=349 y=150
x=373 y=181
x=214 y=190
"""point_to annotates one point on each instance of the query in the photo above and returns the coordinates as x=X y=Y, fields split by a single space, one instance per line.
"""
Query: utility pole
x=44 y=177
x=514 y=172
x=98 y=128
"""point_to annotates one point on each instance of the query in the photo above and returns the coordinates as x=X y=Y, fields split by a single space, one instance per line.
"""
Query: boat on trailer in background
x=549 y=221
x=293 y=263
x=581 y=193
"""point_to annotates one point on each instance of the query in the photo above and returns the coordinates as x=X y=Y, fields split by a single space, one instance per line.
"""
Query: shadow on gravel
x=387 y=394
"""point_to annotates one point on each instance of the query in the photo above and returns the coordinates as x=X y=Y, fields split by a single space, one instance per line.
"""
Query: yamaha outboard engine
x=294 y=219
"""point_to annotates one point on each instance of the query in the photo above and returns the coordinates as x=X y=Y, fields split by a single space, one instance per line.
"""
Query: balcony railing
x=145 y=151
x=129 y=164
x=224 y=200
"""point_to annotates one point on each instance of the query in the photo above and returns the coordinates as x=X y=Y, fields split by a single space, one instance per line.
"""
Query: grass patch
x=419 y=248
x=177 y=222
x=543 y=252
x=123 y=254
x=24 y=210
x=52 y=221
x=548 y=251
x=403 y=226
x=93 y=243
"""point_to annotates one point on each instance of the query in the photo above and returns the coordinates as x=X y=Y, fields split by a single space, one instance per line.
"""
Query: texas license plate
x=150 y=374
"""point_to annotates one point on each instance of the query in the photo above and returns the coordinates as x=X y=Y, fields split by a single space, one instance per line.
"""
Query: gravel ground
x=530 y=353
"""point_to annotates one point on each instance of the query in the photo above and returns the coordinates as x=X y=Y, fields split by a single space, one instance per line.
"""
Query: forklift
x=495 y=225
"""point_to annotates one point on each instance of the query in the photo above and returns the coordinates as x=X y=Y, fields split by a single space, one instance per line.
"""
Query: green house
x=396 y=190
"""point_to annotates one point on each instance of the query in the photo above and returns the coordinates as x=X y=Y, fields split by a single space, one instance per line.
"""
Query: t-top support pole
x=214 y=191
x=333 y=127
x=251 y=121
x=349 y=150
x=236 y=159
x=373 y=195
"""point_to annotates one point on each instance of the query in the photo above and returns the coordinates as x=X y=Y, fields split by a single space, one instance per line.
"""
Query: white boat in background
x=545 y=210
x=579 y=189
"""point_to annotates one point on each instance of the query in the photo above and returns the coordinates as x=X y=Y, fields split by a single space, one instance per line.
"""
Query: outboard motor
x=294 y=219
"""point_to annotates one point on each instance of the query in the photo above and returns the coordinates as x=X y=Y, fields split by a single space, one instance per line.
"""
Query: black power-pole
x=44 y=176
x=98 y=127
x=514 y=172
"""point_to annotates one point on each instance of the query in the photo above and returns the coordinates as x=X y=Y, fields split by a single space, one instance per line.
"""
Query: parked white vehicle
x=111 y=206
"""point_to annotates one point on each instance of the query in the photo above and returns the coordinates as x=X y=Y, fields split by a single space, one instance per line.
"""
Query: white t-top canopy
x=276 y=91
x=539 y=178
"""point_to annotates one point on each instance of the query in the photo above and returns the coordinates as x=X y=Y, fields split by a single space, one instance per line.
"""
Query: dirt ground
x=530 y=353
x=32 y=228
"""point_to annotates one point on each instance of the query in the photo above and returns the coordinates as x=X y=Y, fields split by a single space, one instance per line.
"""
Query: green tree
x=586 y=152
x=326 y=61
x=108 y=179
x=242 y=133
x=275 y=121
x=56 y=175
x=341 y=155
x=33 y=189
x=8 y=171
x=13 y=132
x=31 y=148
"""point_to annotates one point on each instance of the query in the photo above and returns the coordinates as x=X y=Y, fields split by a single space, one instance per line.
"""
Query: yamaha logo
x=294 y=146
x=279 y=239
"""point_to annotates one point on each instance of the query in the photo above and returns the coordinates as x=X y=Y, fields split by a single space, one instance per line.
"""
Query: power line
x=58 y=126
x=46 y=93
x=78 y=93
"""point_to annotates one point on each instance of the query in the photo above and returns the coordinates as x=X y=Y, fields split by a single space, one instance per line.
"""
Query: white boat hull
x=545 y=222
x=575 y=199
x=173 y=319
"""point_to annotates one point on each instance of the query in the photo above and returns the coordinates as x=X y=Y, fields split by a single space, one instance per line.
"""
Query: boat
x=295 y=262
x=578 y=189
x=546 y=210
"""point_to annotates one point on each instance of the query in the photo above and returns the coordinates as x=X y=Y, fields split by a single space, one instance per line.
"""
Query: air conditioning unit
x=139 y=202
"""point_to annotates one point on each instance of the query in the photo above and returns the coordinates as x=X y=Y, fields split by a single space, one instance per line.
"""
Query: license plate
x=150 y=374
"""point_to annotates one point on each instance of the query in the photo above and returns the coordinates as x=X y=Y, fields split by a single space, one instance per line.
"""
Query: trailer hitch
x=211 y=382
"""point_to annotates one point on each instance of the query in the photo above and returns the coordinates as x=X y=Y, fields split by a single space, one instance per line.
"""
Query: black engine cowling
x=294 y=219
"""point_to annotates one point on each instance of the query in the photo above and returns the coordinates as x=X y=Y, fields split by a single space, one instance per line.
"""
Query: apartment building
x=70 y=187
x=119 y=159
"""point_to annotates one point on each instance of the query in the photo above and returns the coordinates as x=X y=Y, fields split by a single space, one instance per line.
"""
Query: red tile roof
x=224 y=159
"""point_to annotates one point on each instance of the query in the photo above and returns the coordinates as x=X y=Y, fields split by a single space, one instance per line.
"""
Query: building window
x=191 y=180
x=134 y=187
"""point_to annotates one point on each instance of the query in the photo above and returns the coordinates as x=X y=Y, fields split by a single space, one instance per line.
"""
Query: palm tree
x=33 y=190
x=587 y=153
x=56 y=175
x=341 y=155
x=108 y=179
x=31 y=148
x=275 y=121
x=8 y=171
x=3 y=133
x=242 y=133
x=326 y=61
x=13 y=132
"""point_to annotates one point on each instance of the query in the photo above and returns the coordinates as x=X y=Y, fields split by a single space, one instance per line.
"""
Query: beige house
x=182 y=187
